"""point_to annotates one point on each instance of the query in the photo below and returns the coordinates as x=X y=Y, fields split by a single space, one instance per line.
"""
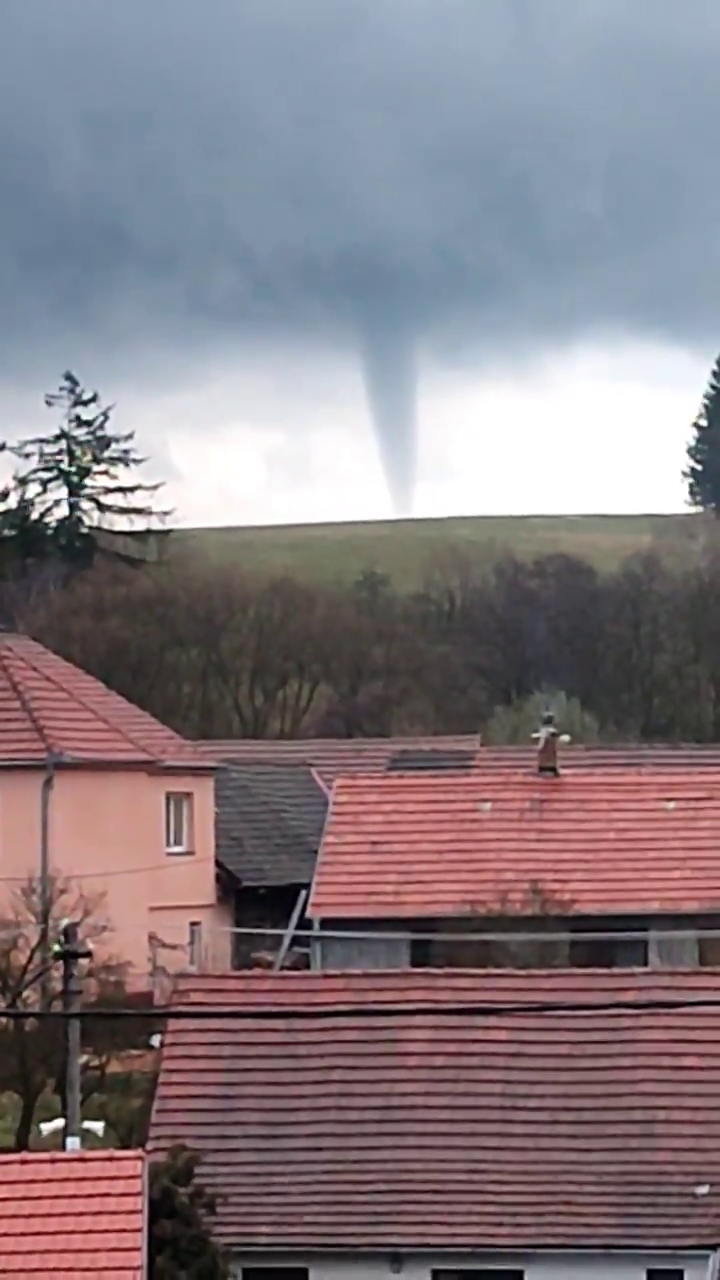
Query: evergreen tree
x=703 y=470
x=180 y=1222
x=75 y=486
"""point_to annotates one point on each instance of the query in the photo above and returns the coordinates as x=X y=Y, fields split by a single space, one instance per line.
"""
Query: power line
x=323 y=1013
x=120 y=871
x=619 y=934
x=107 y=933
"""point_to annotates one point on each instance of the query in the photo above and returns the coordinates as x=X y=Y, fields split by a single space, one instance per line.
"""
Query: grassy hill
x=410 y=549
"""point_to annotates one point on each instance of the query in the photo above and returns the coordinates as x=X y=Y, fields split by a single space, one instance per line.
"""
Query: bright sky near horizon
x=590 y=430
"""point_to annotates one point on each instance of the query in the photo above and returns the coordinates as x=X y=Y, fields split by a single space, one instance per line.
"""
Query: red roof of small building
x=331 y=757
x=47 y=705
x=73 y=1215
x=596 y=842
x=425 y=1110
x=341 y=757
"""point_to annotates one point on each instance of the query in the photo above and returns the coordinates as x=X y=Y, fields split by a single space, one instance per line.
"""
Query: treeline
x=215 y=652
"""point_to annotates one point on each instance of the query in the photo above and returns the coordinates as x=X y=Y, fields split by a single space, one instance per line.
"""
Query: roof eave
x=470 y=1247
x=200 y=767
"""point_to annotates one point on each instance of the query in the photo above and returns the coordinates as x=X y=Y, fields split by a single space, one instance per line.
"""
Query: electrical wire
x=686 y=934
x=324 y=1013
x=171 y=858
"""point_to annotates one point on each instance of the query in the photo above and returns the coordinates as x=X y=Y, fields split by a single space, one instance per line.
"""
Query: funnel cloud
x=390 y=376
x=471 y=177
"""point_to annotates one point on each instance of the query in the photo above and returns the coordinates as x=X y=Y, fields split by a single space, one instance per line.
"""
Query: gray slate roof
x=269 y=820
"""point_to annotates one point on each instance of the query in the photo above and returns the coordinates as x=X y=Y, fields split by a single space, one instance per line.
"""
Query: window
x=194 y=943
x=275 y=1273
x=480 y=1273
x=178 y=822
x=608 y=953
x=665 y=1273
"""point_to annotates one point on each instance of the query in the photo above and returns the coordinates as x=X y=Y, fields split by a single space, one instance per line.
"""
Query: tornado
x=390 y=378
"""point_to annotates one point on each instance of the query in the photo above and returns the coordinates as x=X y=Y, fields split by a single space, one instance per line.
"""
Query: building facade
x=112 y=811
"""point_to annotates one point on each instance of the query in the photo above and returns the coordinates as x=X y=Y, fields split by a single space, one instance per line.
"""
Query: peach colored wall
x=107 y=833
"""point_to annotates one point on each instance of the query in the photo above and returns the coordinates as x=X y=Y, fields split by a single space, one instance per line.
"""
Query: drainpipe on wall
x=48 y=783
x=713 y=1266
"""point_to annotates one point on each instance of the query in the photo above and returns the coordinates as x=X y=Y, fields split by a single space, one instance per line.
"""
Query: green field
x=410 y=550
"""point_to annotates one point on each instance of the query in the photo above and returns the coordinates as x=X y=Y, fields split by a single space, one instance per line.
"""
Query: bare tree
x=216 y=652
x=32 y=1050
x=378 y=664
x=265 y=644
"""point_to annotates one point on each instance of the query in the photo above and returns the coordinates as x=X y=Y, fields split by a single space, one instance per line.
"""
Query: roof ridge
x=631 y=772
x=80 y=698
x=24 y=700
x=86 y=1153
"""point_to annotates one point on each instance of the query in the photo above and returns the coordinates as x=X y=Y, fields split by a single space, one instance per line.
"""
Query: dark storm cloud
x=491 y=171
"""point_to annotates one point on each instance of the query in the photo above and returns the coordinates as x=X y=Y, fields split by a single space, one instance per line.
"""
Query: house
x=279 y=863
x=94 y=789
x=268 y=826
x=271 y=807
x=431 y=857
x=437 y=1125
x=78 y=1215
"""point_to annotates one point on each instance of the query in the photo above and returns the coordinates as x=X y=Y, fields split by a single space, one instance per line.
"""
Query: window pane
x=274 y=1273
x=665 y=1273
x=171 y=821
x=480 y=1273
x=178 y=823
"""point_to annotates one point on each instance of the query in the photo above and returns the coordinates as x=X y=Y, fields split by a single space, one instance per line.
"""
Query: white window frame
x=178 y=821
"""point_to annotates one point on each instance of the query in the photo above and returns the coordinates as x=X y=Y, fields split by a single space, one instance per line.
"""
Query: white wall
x=537 y=1266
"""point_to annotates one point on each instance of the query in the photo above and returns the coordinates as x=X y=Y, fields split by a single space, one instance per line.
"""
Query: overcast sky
x=259 y=224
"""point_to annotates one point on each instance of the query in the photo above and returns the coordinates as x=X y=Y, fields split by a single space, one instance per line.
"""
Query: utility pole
x=71 y=951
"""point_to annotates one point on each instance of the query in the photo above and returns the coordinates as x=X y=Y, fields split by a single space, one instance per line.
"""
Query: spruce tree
x=703 y=470
x=76 y=488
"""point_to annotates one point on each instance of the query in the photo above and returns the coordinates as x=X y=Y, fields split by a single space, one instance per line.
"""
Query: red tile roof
x=48 y=705
x=602 y=842
x=442 y=1129
x=332 y=757
x=73 y=1215
x=338 y=757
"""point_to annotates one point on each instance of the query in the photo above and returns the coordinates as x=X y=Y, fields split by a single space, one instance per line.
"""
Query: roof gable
x=72 y=1214
x=50 y=707
x=448 y=1110
x=598 y=842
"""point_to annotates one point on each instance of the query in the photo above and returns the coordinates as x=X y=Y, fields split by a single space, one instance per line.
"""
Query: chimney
x=548 y=739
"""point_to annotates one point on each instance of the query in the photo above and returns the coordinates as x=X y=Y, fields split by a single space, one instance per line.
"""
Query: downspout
x=48 y=783
x=713 y=1269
